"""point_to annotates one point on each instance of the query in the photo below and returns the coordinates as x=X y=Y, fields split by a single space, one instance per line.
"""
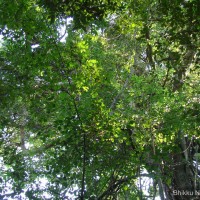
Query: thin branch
x=166 y=78
x=149 y=50
x=78 y=116
x=117 y=183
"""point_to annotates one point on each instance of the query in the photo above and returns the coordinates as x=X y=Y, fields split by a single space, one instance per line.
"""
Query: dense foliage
x=97 y=95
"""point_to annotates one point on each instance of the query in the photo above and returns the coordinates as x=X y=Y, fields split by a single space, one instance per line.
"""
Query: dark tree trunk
x=185 y=179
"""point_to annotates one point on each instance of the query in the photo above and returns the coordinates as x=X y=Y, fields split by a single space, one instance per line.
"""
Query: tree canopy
x=98 y=96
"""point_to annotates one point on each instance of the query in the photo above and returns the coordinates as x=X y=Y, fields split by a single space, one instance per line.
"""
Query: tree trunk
x=184 y=178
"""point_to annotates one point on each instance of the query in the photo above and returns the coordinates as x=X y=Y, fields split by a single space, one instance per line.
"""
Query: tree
x=115 y=102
